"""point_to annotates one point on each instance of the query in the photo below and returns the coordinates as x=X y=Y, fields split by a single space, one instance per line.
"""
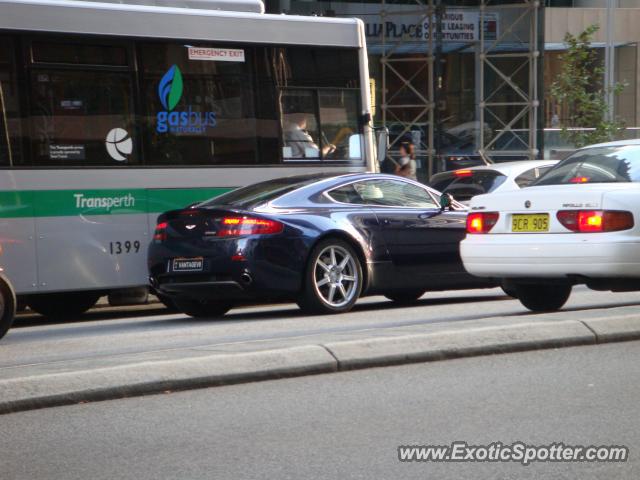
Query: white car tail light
x=481 y=222
x=594 y=221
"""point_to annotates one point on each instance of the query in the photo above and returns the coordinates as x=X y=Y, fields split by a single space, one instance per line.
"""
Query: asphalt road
x=33 y=343
x=346 y=425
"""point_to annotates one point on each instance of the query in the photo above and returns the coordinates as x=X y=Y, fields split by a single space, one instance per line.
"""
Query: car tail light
x=593 y=221
x=579 y=180
x=481 y=222
x=463 y=173
x=235 y=226
x=160 y=235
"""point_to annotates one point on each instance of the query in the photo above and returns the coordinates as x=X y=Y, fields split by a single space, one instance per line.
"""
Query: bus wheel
x=63 y=305
x=7 y=306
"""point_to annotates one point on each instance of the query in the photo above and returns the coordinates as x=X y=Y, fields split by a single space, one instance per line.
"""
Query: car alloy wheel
x=334 y=278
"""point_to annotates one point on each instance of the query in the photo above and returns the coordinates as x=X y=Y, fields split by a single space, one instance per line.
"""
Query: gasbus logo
x=170 y=90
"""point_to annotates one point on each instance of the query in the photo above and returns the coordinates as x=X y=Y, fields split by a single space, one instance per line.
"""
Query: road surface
x=346 y=425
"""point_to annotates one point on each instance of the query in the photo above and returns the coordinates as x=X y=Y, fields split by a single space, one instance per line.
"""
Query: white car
x=578 y=224
x=465 y=183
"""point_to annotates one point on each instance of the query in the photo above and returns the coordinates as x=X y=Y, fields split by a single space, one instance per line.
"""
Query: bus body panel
x=111 y=253
x=18 y=250
x=152 y=22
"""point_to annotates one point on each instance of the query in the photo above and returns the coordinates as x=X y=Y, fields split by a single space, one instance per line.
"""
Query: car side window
x=394 y=193
x=347 y=194
x=525 y=179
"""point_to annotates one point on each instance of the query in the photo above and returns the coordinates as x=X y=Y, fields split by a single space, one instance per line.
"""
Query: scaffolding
x=513 y=107
x=423 y=106
x=503 y=100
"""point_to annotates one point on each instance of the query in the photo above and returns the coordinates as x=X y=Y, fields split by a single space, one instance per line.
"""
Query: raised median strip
x=249 y=362
x=459 y=343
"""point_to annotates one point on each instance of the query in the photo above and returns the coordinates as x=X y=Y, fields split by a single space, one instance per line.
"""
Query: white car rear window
x=614 y=164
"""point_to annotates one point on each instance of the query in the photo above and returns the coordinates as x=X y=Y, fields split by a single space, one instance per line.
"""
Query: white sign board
x=216 y=54
x=458 y=25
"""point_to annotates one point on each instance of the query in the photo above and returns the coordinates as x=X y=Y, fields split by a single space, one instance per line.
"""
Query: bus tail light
x=594 y=221
x=481 y=222
x=160 y=235
x=235 y=226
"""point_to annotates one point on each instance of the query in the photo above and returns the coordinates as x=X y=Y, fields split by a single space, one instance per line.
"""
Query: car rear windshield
x=262 y=192
x=468 y=185
x=442 y=182
x=596 y=165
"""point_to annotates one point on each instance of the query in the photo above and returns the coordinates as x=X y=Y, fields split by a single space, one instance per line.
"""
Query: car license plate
x=538 y=222
x=188 y=264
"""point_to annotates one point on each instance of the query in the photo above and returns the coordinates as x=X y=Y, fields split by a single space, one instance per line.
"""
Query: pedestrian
x=406 y=166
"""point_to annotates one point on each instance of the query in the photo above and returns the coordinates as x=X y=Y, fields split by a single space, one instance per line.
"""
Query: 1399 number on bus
x=119 y=248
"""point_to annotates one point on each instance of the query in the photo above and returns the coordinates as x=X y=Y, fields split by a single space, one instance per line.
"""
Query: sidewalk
x=108 y=377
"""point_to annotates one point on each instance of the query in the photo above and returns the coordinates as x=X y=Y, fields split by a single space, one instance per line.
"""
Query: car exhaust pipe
x=246 y=279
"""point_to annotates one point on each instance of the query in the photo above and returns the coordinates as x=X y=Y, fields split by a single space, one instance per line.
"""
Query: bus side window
x=199 y=110
x=339 y=120
x=81 y=105
x=10 y=121
x=300 y=127
x=320 y=104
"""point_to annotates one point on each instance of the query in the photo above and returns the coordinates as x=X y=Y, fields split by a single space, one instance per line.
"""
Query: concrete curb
x=615 y=329
x=154 y=377
x=143 y=378
x=460 y=343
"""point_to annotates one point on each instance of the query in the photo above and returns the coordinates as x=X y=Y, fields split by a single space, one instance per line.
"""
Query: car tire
x=405 y=297
x=543 y=297
x=167 y=302
x=202 y=308
x=7 y=306
x=509 y=290
x=62 y=305
x=333 y=278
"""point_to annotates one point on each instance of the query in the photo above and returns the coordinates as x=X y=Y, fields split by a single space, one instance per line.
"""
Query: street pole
x=609 y=60
x=438 y=79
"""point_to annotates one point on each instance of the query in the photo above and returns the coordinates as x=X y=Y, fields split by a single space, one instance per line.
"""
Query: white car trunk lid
x=539 y=203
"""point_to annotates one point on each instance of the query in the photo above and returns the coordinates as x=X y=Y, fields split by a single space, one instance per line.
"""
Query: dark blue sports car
x=321 y=241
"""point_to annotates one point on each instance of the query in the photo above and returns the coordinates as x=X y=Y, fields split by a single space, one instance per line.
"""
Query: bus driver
x=299 y=140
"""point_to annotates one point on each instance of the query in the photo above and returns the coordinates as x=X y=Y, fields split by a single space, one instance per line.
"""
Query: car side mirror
x=445 y=201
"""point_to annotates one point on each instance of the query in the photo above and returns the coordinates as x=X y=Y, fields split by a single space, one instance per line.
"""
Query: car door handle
x=424 y=216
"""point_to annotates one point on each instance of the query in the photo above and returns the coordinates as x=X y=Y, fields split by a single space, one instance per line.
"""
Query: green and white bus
x=113 y=113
